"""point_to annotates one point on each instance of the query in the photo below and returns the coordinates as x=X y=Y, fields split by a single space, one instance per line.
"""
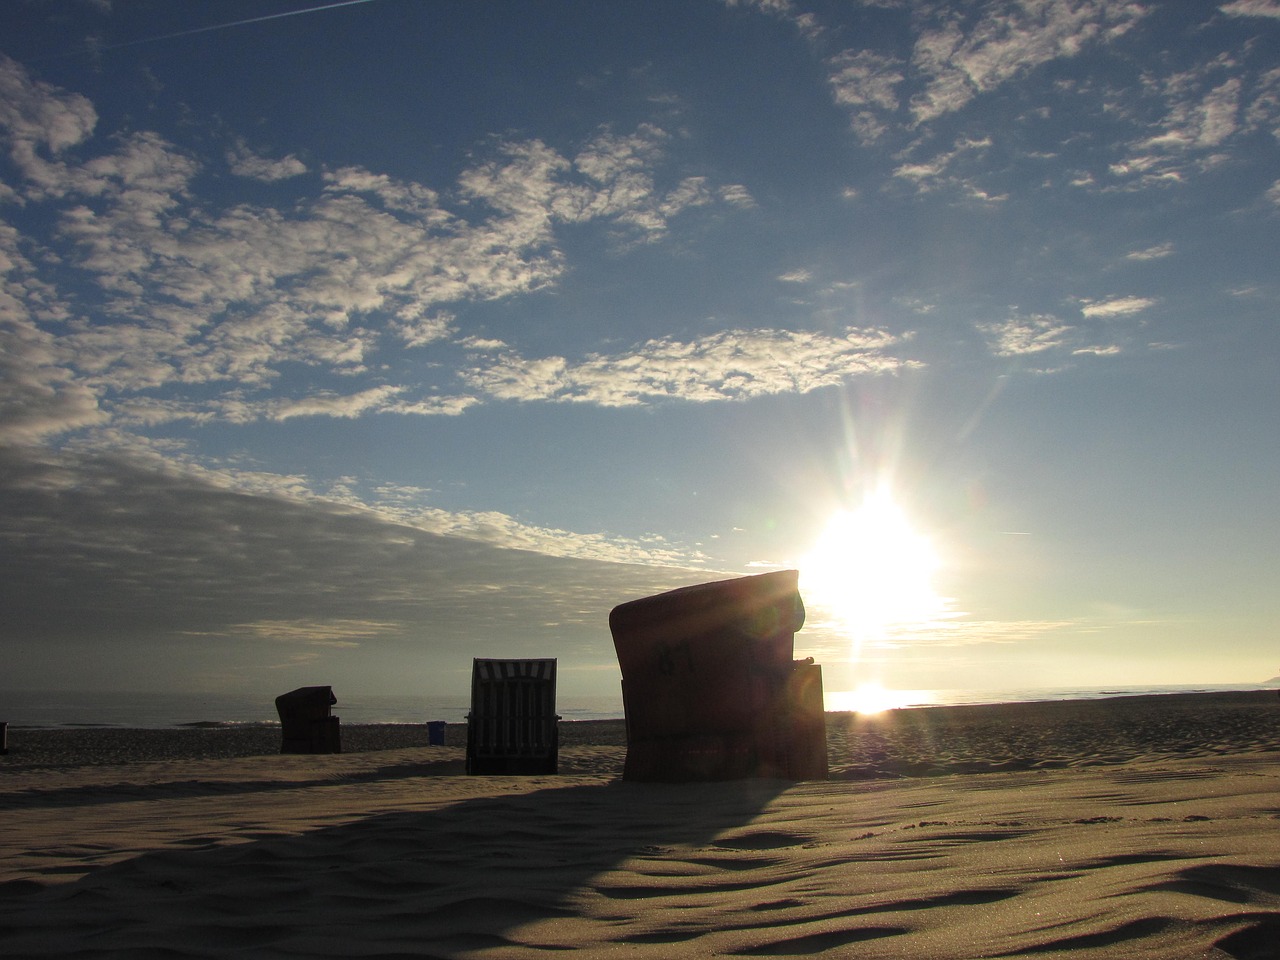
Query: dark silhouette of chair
x=513 y=727
x=305 y=723
x=710 y=688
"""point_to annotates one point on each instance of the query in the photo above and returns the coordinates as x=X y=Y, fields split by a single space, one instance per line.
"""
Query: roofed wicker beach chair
x=710 y=688
x=305 y=722
x=513 y=727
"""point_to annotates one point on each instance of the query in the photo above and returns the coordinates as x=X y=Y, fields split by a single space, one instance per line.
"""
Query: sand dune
x=1158 y=838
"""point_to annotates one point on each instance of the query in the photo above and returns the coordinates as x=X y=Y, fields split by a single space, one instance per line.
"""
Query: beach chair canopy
x=306 y=703
x=513 y=727
x=710 y=686
x=693 y=658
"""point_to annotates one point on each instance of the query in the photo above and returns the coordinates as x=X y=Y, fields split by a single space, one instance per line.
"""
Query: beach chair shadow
x=452 y=881
x=513 y=727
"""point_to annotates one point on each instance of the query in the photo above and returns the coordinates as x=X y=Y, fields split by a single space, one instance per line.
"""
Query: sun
x=871 y=571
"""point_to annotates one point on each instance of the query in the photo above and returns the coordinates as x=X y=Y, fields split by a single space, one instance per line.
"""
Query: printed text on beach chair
x=305 y=723
x=512 y=727
x=710 y=688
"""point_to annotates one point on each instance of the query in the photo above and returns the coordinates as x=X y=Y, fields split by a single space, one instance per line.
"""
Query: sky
x=343 y=342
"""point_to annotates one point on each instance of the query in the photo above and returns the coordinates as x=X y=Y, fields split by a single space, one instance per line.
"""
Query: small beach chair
x=306 y=725
x=710 y=688
x=513 y=727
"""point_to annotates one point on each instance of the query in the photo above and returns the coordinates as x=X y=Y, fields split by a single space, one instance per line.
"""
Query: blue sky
x=340 y=343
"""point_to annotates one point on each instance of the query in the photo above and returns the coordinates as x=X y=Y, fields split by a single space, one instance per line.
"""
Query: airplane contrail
x=234 y=23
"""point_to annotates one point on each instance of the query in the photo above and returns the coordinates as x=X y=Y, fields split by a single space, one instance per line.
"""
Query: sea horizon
x=153 y=710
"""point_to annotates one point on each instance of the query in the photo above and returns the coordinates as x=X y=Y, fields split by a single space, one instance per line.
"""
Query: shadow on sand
x=434 y=883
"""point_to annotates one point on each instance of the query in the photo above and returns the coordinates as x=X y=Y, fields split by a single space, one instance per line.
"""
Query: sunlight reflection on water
x=873 y=698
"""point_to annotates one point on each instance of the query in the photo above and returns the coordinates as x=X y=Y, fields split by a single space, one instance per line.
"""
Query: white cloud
x=387 y=399
x=806 y=23
x=482 y=344
x=1116 y=306
x=433 y=406
x=611 y=179
x=921 y=172
x=245 y=163
x=949 y=88
x=1158 y=252
x=796 y=276
x=1010 y=40
x=1251 y=8
x=39 y=395
x=974 y=192
x=191 y=295
x=501 y=530
x=334 y=405
x=938 y=171
x=418 y=330
x=1023 y=335
x=1202 y=111
x=620 y=185
x=1196 y=121
x=736 y=195
x=689 y=192
x=420 y=202
x=323 y=633
x=916 y=305
x=610 y=158
x=728 y=366
x=1147 y=171
x=866 y=82
x=1263 y=112
x=201 y=297
x=1107 y=350
x=40 y=123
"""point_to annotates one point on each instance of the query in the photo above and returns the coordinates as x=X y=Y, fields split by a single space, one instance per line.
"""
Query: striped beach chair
x=513 y=727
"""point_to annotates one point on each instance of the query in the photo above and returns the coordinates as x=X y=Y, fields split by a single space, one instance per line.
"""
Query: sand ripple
x=1164 y=847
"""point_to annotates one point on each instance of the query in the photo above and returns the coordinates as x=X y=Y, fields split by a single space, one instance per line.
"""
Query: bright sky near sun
x=342 y=342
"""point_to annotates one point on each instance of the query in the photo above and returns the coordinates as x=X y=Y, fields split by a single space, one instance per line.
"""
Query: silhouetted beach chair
x=305 y=723
x=512 y=727
x=710 y=687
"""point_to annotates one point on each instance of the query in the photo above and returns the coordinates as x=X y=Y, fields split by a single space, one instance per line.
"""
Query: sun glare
x=869 y=698
x=871 y=571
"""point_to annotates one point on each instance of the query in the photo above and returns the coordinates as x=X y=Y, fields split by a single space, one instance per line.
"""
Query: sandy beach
x=1128 y=827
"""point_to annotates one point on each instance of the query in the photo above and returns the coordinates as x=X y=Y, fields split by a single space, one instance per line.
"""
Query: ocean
x=51 y=709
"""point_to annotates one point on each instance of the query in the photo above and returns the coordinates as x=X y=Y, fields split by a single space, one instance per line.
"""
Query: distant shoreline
x=906 y=742
x=83 y=710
